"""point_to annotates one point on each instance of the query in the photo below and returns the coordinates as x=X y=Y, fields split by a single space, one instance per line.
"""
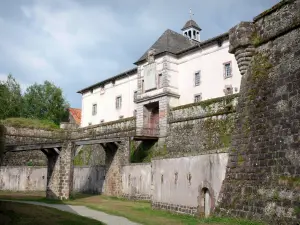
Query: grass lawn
x=140 y=212
x=12 y=213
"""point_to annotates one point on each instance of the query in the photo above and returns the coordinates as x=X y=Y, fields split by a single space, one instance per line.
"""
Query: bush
x=29 y=123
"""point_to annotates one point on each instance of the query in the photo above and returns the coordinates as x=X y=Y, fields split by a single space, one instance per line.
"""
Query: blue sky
x=76 y=43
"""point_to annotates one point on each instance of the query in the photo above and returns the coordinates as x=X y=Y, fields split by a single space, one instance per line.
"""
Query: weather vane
x=191 y=13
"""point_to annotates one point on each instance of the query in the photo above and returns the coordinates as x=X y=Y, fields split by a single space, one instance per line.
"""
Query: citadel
x=196 y=127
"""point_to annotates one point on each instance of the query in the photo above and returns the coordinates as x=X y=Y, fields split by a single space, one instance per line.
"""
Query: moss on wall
x=218 y=132
x=222 y=101
x=84 y=156
x=143 y=151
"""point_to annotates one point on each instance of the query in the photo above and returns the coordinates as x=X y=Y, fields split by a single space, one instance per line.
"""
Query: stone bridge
x=61 y=146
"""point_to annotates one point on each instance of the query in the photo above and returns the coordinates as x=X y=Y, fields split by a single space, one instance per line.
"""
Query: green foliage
x=45 y=101
x=30 y=163
x=241 y=160
x=30 y=123
x=218 y=132
x=142 y=152
x=290 y=181
x=260 y=68
x=297 y=211
x=276 y=195
x=157 y=152
x=10 y=97
x=256 y=39
x=84 y=156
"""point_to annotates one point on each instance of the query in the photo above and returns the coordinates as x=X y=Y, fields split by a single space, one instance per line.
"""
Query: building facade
x=177 y=69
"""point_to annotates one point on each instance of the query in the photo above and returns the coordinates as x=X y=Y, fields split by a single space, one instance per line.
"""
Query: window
x=197 y=78
x=142 y=86
x=135 y=95
x=94 y=109
x=198 y=98
x=159 y=81
x=227 y=70
x=118 y=102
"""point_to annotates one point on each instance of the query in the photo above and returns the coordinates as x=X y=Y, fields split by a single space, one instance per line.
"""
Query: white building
x=177 y=69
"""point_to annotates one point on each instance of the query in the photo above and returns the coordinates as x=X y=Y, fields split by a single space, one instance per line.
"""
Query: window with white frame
x=197 y=78
x=118 y=102
x=198 y=97
x=94 y=109
x=227 y=69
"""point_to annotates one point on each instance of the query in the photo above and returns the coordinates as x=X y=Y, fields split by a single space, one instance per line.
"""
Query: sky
x=76 y=43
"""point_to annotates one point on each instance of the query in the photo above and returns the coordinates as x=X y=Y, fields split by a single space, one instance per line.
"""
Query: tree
x=10 y=98
x=45 y=101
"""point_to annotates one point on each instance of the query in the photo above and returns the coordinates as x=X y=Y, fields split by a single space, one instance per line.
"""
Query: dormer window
x=191 y=30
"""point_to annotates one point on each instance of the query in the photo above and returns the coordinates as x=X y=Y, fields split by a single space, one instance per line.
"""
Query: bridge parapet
x=114 y=129
x=21 y=136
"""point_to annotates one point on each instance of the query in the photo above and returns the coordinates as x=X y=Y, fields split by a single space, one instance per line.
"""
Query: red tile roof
x=76 y=114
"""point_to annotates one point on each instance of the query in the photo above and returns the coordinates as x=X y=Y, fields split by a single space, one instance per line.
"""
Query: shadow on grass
x=137 y=211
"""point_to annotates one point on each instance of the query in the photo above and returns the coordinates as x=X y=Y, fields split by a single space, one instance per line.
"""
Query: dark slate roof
x=119 y=76
x=191 y=23
x=170 y=41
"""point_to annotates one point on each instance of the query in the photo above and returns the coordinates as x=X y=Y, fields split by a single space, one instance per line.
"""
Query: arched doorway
x=205 y=202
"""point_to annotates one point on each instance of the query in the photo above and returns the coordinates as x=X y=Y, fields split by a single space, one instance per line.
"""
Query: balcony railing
x=147 y=132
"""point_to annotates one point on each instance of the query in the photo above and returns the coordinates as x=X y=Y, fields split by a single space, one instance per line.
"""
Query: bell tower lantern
x=191 y=29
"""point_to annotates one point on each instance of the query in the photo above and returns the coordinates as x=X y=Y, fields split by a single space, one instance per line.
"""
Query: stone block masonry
x=116 y=157
x=60 y=173
x=201 y=128
x=263 y=173
x=2 y=142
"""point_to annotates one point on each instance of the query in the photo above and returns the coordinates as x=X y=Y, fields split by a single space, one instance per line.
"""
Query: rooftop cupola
x=191 y=29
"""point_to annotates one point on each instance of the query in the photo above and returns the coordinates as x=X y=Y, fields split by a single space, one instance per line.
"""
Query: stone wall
x=90 y=155
x=117 y=156
x=136 y=181
x=200 y=128
x=2 y=142
x=33 y=136
x=263 y=174
x=29 y=136
x=178 y=183
x=86 y=179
